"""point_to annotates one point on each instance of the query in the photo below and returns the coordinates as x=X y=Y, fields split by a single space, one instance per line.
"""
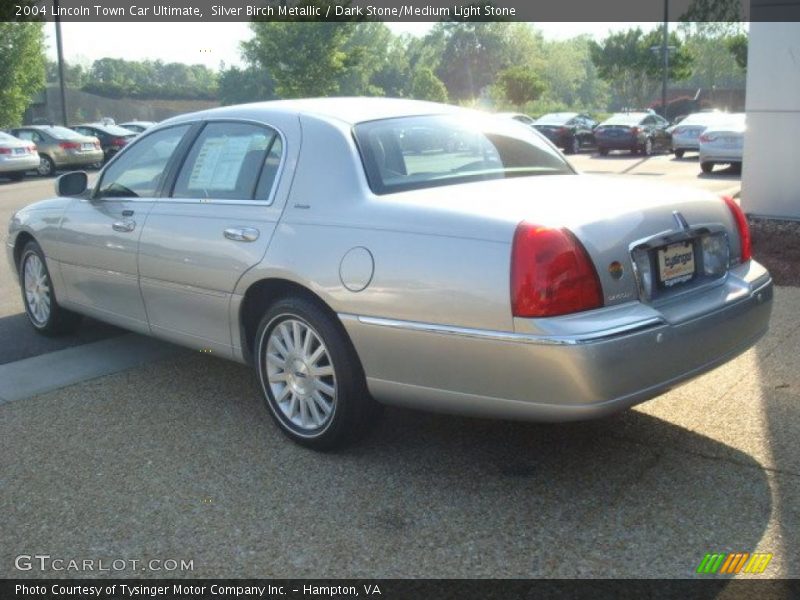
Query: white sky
x=210 y=43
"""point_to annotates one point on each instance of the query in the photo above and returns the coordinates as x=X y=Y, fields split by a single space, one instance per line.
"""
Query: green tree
x=252 y=84
x=426 y=86
x=626 y=61
x=475 y=52
x=22 y=69
x=520 y=84
x=737 y=46
x=304 y=58
x=713 y=63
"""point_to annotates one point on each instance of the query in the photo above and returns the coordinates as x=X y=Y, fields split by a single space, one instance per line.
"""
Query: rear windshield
x=626 y=119
x=62 y=133
x=554 y=119
x=116 y=130
x=410 y=153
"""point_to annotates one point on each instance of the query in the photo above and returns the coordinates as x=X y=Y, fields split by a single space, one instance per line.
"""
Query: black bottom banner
x=392 y=589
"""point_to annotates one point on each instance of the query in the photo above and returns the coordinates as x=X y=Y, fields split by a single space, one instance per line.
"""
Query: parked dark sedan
x=638 y=132
x=113 y=138
x=569 y=131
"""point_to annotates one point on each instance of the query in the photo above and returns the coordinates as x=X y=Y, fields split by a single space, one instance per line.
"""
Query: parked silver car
x=686 y=134
x=723 y=143
x=486 y=278
x=16 y=157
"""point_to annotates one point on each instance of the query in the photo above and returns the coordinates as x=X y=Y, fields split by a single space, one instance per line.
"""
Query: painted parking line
x=47 y=372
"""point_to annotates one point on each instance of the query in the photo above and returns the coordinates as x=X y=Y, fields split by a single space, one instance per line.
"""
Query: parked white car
x=16 y=157
x=723 y=143
x=686 y=134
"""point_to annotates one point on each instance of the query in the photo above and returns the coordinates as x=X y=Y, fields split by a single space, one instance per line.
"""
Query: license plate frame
x=676 y=263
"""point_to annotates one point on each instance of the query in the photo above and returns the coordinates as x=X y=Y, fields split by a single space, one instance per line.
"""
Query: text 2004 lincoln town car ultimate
x=367 y=251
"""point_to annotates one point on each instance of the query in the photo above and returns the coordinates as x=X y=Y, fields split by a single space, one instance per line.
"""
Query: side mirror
x=72 y=184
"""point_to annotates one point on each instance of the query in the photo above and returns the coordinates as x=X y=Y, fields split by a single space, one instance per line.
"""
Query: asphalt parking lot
x=176 y=458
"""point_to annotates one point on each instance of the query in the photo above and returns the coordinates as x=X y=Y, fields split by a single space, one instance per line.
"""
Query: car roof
x=348 y=110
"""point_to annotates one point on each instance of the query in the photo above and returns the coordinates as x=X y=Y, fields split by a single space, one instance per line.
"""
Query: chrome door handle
x=242 y=234
x=124 y=226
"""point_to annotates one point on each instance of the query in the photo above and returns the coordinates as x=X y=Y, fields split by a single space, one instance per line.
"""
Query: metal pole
x=665 y=52
x=60 y=51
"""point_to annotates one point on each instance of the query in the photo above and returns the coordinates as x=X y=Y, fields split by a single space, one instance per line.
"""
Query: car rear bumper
x=685 y=144
x=618 y=143
x=82 y=159
x=19 y=165
x=530 y=377
x=721 y=155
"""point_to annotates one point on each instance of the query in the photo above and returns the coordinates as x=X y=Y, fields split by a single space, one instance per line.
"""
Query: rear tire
x=313 y=383
x=707 y=167
x=44 y=312
x=46 y=166
x=679 y=153
x=603 y=151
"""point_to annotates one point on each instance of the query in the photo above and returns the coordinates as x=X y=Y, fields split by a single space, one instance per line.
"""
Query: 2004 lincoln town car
x=368 y=251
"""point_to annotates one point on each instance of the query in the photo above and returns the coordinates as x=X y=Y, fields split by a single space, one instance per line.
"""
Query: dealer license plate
x=676 y=263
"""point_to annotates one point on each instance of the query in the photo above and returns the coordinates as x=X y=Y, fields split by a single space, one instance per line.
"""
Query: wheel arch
x=22 y=240
x=263 y=293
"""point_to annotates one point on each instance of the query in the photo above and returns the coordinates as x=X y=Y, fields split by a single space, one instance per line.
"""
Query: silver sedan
x=360 y=252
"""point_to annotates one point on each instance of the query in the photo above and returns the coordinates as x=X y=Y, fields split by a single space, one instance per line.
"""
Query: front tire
x=44 y=312
x=679 y=153
x=310 y=375
x=603 y=151
x=707 y=167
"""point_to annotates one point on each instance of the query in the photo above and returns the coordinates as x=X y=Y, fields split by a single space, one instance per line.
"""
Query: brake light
x=70 y=145
x=563 y=130
x=745 y=240
x=551 y=273
x=635 y=130
x=706 y=138
x=5 y=150
x=119 y=142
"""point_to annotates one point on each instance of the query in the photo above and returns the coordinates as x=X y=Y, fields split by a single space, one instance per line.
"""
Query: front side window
x=231 y=161
x=410 y=153
x=138 y=172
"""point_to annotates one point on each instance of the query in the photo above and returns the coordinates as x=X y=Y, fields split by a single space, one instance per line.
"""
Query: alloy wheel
x=301 y=375
x=37 y=289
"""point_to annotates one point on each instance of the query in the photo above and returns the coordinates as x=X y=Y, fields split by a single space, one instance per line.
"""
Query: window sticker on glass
x=219 y=162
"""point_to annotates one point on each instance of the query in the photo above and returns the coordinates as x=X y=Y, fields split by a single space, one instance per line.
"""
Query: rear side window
x=411 y=153
x=231 y=161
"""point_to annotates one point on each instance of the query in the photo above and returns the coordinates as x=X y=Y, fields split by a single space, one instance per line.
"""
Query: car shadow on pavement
x=180 y=460
x=21 y=341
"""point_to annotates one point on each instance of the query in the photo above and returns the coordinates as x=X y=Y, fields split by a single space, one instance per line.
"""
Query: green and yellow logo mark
x=734 y=563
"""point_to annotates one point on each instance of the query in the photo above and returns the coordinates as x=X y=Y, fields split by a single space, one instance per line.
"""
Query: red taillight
x=5 y=150
x=119 y=142
x=70 y=145
x=745 y=241
x=635 y=130
x=551 y=273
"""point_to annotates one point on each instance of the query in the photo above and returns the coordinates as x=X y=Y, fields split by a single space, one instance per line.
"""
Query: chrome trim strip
x=504 y=336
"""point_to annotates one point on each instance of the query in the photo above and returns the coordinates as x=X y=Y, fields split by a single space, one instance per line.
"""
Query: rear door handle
x=124 y=226
x=242 y=234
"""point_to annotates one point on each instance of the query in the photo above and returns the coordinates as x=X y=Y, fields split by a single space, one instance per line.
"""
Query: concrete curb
x=47 y=372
